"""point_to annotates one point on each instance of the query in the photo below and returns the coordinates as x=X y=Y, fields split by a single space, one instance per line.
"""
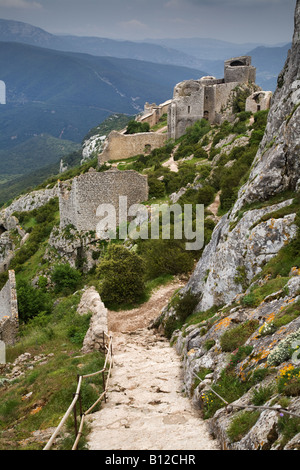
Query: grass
x=259 y=293
x=241 y=424
x=236 y=337
x=51 y=384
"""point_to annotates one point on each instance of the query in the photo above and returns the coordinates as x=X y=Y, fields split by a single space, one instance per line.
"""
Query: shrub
x=262 y=395
x=121 y=276
x=134 y=127
x=170 y=326
x=65 y=278
x=165 y=257
x=185 y=305
x=288 y=381
x=285 y=349
x=31 y=301
x=206 y=195
x=288 y=427
x=156 y=187
x=232 y=339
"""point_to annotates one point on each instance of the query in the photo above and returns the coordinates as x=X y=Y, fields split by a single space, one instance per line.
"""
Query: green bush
x=135 y=127
x=241 y=424
x=121 y=276
x=156 y=187
x=165 y=257
x=65 y=278
x=31 y=301
x=185 y=305
x=206 y=195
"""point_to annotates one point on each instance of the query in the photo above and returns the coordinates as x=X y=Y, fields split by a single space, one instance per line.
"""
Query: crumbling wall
x=153 y=113
x=239 y=69
x=9 y=319
x=259 y=101
x=208 y=97
x=122 y=146
x=80 y=198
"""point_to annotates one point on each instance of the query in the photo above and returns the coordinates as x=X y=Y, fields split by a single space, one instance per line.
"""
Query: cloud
x=24 y=4
x=239 y=3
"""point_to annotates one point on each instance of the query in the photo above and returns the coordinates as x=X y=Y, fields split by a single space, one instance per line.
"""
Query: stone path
x=146 y=409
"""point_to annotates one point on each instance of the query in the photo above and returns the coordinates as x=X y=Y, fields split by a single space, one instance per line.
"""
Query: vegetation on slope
x=49 y=292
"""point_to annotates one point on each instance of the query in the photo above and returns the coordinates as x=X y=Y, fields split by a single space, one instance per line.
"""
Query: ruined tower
x=208 y=96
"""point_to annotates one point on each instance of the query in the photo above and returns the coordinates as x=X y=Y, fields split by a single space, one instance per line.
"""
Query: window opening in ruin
x=189 y=109
x=258 y=107
x=236 y=63
x=205 y=115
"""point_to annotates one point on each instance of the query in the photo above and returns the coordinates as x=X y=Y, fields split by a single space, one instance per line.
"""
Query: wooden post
x=75 y=417
x=104 y=385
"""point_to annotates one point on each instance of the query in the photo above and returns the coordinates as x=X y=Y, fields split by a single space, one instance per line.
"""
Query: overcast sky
x=264 y=21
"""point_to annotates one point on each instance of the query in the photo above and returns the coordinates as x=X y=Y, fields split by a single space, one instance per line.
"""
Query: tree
x=121 y=276
x=135 y=126
x=65 y=278
x=31 y=301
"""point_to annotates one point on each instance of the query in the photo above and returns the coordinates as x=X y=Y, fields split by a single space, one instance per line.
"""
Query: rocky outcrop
x=241 y=251
x=234 y=256
x=228 y=276
x=91 y=303
x=276 y=167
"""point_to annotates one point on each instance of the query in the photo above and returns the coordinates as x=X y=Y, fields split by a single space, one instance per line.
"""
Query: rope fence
x=106 y=370
x=230 y=406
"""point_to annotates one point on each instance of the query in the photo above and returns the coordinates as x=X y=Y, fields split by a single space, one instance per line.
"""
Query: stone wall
x=239 y=69
x=259 y=101
x=80 y=198
x=9 y=310
x=199 y=99
x=122 y=146
x=153 y=113
x=208 y=97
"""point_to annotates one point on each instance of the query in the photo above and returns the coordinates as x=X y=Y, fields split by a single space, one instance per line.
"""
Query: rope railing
x=108 y=364
x=230 y=406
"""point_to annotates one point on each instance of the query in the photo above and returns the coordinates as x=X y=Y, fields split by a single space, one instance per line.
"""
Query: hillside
x=234 y=320
x=200 y=152
x=237 y=319
x=16 y=31
x=64 y=94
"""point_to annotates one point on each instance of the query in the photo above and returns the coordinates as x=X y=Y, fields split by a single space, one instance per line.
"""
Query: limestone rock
x=276 y=166
x=91 y=303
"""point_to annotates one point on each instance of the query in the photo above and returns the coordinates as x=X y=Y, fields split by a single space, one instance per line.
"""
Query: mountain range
x=62 y=86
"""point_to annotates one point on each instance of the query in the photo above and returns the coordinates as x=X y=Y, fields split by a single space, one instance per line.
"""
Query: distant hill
x=269 y=62
x=35 y=153
x=16 y=31
x=206 y=48
x=65 y=94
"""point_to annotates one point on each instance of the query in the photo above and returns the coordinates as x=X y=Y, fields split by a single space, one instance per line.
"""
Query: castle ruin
x=122 y=146
x=208 y=97
x=80 y=198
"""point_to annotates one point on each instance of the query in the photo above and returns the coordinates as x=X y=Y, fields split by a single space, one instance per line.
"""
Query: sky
x=239 y=21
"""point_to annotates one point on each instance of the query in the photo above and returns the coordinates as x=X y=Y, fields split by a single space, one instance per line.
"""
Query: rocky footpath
x=241 y=336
